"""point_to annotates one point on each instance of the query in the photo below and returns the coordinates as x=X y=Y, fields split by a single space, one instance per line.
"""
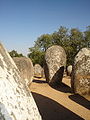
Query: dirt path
x=59 y=103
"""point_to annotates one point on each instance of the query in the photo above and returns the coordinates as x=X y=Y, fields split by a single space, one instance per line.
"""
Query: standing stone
x=81 y=72
x=38 y=70
x=16 y=101
x=55 y=61
x=69 y=70
x=25 y=67
x=42 y=73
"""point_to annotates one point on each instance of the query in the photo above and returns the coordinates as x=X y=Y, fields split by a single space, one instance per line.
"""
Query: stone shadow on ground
x=62 y=87
x=39 y=81
x=80 y=100
x=51 y=110
x=57 y=78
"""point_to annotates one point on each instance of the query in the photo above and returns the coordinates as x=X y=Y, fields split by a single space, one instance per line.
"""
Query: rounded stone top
x=25 y=66
x=55 y=48
x=37 y=70
x=37 y=65
x=22 y=58
x=83 y=52
x=23 y=62
x=69 y=69
x=56 y=53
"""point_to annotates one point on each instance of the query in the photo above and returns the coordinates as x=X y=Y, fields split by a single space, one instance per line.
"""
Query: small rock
x=38 y=70
x=69 y=70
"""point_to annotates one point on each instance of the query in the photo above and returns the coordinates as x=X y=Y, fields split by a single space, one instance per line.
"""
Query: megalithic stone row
x=25 y=67
x=55 y=61
x=81 y=72
x=16 y=101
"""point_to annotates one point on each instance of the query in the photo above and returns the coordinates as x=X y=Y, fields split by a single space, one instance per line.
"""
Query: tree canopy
x=14 y=53
x=71 y=40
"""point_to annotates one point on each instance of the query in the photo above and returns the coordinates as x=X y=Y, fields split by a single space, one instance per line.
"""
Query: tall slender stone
x=16 y=101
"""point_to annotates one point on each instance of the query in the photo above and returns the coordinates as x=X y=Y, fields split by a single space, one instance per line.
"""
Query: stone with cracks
x=55 y=61
x=81 y=72
x=25 y=67
x=16 y=101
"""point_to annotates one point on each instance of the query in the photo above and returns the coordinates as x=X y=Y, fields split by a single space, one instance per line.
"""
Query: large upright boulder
x=37 y=70
x=25 y=67
x=55 y=61
x=16 y=101
x=81 y=72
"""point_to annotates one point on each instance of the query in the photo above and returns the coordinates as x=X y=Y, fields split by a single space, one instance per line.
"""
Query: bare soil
x=59 y=103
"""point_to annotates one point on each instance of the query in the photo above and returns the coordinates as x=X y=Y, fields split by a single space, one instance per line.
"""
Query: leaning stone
x=69 y=70
x=26 y=68
x=55 y=61
x=37 y=70
x=81 y=72
x=16 y=101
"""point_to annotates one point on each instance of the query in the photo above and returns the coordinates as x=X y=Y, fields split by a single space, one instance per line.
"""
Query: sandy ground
x=58 y=103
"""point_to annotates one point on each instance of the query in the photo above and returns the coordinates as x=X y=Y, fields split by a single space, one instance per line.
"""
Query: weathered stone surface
x=25 y=67
x=16 y=101
x=81 y=72
x=38 y=70
x=69 y=70
x=42 y=73
x=55 y=60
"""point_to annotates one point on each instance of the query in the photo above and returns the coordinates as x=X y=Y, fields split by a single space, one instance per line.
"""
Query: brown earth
x=58 y=103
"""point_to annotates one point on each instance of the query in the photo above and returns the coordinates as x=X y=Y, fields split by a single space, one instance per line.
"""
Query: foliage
x=87 y=37
x=36 y=55
x=71 y=40
x=44 y=42
x=14 y=53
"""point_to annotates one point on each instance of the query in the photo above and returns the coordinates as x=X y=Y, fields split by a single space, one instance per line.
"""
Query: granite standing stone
x=25 y=67
x=37 y=70
x=16 y=101
x=55 y=61
x=81 y=72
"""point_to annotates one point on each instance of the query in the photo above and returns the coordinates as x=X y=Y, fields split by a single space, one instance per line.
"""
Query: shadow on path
x=51 y=110
x=62 y=87
x=80 y=100
x=39 y=81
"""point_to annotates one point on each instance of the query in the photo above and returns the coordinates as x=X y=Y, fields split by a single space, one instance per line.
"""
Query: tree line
x=71 y=40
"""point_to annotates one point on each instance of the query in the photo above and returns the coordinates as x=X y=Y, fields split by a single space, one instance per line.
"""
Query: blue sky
x=23 y=21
